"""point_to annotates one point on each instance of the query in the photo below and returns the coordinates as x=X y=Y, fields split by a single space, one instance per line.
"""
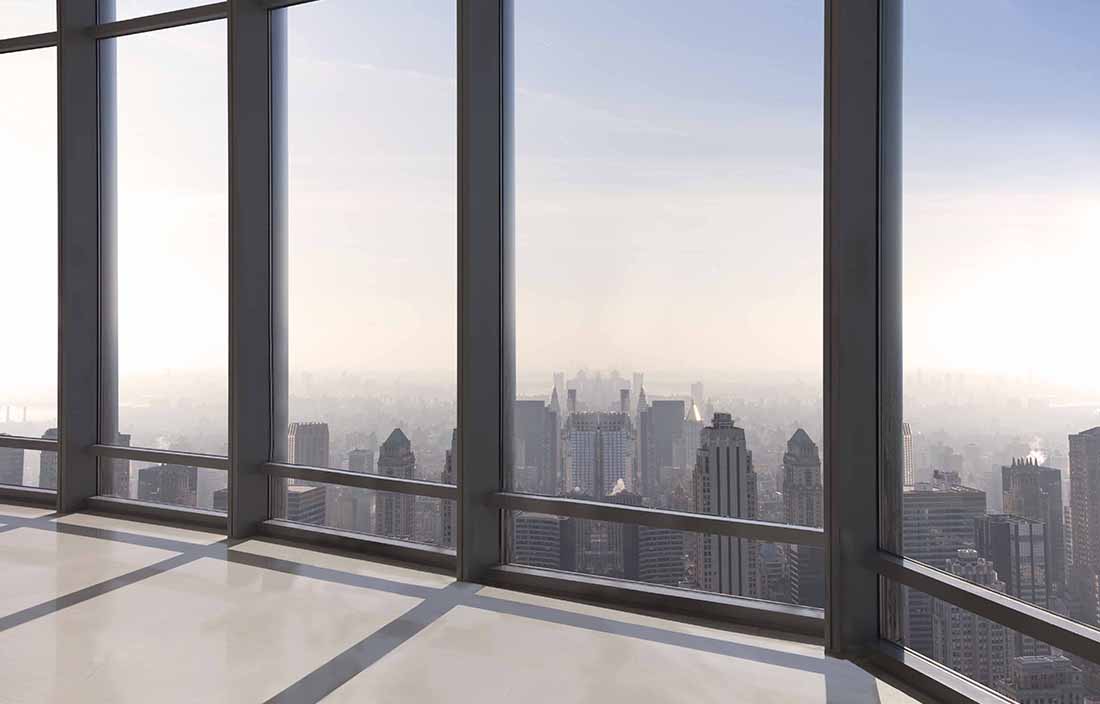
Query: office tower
x=660 y=434
x=937 y=519
x=361 y=459
x=221 y=500
x=1016 y=547
x=773 y=575
x=114 y=474
x=47 y=463
x=662 y=556
x=909 y=472
x=395 y=514
x=1033 y=491
x=308 y=443
x=11 y=465
x=559 y=382
x=571 y=401
x=697 y=394
x=1049 y=679
x=637 y=381
x=306 y=504
x=624 y=401
x=168 y=484
x=535 y=447
x=724 y=484
x=448 y=520
x=349 y=508
x=1084 y=480
x=690 y=436
x=803 y=502
x=540 y=540
x=973 y=646
x=597 y=451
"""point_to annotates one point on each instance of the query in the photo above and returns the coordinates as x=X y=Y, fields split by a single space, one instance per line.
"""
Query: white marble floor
x=97 y=609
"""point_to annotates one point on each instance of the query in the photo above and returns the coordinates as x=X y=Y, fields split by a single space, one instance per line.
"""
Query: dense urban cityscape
x=1012 y=510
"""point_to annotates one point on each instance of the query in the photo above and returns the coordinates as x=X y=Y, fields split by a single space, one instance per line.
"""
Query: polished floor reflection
x=96 y=609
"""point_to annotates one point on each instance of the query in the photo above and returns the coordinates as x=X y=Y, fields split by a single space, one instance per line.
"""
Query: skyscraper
x=973 y=646
x=725 y=485
x=697 y=396
x=1016 y=547
x=909 y=472
x=1084 y=480
x=168 y=484
x=306 y=504
x=937 y=519
x=660 y=434
x=1050 y=679
x=47 y=463
x=535 y=447
x=308 y=443
x=361 y=459
x=597 y=451
x=803 y=499
x=11 y=466
x=448 y=520
x=1033 y=491
x=395 y=514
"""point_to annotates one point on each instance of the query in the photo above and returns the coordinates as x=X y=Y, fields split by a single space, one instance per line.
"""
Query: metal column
x=486 y=317
x=257 y=261
x=79 y=252
x=862 y=318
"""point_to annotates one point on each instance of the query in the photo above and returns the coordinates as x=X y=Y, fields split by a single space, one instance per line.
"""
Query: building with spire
x=803 y=503
x=724 y=484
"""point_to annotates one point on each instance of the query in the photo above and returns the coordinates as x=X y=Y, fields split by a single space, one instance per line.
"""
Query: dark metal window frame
x=862 y=355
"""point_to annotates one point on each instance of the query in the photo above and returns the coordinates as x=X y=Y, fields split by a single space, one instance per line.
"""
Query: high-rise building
x=11 y=465
x=395 y=514
x=535 y=447
x=448 y=519
x=724 y=484
x=1033 y=491
x=540 y=540
x=909 y=471
x=937 y=519
x=221 y=499
x=597 y=451
x=691 y=435
x=972 y=646
x=643 y=553
x=306 y=504
x=1084 y=481
x=697 y=396
x=1049 y=679
x=1016 y=547
x=660 y=434
x=308 y=444
x=168 y=484
x=803 y=502
x=114 y=474
x=361 y=459
x=47 y=463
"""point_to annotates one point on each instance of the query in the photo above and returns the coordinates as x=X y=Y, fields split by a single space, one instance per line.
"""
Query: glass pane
x=172 y=240
x=1001 y=215
x=672 y=558
x=22 y=17
x=28 y=240
x=418 y=519
x=373 y=241
x=29 y=467
x=1016 y=666
x=668 y=210
x=174 y=484
x=127 y=9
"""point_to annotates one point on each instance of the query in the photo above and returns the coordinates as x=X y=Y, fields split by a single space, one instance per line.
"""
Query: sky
x=668 y=184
